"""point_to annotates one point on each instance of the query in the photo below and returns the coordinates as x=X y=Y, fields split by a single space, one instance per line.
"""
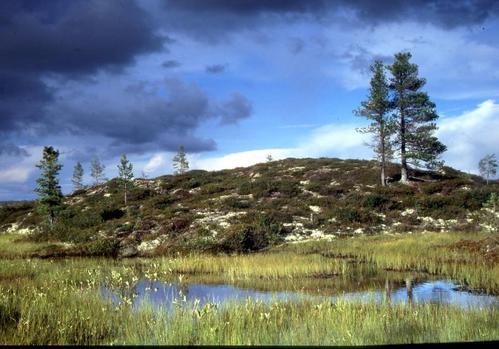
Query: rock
x=128 y=251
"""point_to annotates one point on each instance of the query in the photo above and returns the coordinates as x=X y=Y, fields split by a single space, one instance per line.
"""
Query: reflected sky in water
x=166 y=295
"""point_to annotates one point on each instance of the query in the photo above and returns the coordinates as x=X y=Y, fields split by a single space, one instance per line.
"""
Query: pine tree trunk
x=403 y=160
x=383 y=180
x=383 y=156
x=125 y=193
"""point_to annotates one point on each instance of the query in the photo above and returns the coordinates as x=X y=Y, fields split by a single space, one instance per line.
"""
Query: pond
x=166 y=295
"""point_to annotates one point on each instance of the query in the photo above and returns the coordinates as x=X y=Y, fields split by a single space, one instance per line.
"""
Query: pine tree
x=415 y=117
x=48 y=189
x=77 y=176
x=377 y=108
x=125 y=172
x=488 y=166
x=180 y=163
x=97 y=170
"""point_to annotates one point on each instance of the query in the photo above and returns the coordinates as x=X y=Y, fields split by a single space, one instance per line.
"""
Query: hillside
x=252 y=208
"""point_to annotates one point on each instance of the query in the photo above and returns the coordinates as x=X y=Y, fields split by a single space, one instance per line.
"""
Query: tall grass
x=59 y=301
x=74 y=315
x=421 y=252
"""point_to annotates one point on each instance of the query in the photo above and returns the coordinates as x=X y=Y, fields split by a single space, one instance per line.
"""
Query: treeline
x=49 y=190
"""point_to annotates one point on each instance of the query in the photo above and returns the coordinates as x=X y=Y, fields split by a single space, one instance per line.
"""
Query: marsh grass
x=431 y=253
x=62 y=314
x=59 y=301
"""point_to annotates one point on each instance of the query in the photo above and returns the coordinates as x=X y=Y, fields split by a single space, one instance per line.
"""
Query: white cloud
x=158 y=161
x=15 y=174
x=470 y=136
x=334 y=140
x=14 y=169
x=239 y=159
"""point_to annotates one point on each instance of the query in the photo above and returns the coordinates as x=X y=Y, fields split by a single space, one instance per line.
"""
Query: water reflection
x=167 y=295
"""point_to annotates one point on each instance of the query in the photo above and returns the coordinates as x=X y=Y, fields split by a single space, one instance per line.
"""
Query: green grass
x=12 y=246
x=58 y=301
x=49 y=313
x=431 y=253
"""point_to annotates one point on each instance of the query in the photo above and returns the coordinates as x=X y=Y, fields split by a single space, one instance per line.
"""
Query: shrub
x=101 y=247
x=236 y=203
x=374 y=201
x=111 y=213
x=211 y=188
x=162 y=202
x=62 y=232
x=138 y=193
x=262 y=232
x=438 y=206
x=245 y=188
x=489 y=215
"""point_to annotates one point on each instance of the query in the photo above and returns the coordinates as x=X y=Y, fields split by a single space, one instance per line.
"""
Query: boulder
x=127 y=251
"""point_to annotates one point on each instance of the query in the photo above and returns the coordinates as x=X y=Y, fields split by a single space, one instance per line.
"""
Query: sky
x=231 y=80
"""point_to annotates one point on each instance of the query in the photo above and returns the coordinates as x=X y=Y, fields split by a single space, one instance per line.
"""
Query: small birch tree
x=488 y=166
x=97 y=170
x=180 y=163
x=77 y=176
x=125 y=172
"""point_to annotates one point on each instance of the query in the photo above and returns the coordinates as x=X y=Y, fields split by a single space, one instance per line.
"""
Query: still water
x=166 y=295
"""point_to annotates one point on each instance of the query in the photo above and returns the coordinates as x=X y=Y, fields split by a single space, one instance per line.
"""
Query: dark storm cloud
x=216 y=68
x=170 y=64
x=235 y=109
x=214 y=19
x=77 y=38
x=247 y=7
x=69 y=39
x=361 y=59
x=140 y=118
x=23 y=98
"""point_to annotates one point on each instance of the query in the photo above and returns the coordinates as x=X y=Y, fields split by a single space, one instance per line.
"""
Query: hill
x=252 y=208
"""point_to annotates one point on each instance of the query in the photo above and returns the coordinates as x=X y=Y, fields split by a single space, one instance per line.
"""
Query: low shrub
x=375 y=201
x=102 y=247
x=261 y=232
x=111 y=213
x=211 y=188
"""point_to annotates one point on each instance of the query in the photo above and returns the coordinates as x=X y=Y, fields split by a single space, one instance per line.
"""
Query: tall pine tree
x=77 y=176
x=48 y=189
x=125 y=172
x=377 y=108
x=180 y=163
x=416 y=117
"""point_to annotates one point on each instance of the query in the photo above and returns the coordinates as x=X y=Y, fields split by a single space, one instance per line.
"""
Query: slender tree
x=416 y=117
x=377 y=108
x=48 y=189
x=180 y=163
x=97 y=170
x=269 y=158
x=488 y=166
x=77 y=176
x=125 y=171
